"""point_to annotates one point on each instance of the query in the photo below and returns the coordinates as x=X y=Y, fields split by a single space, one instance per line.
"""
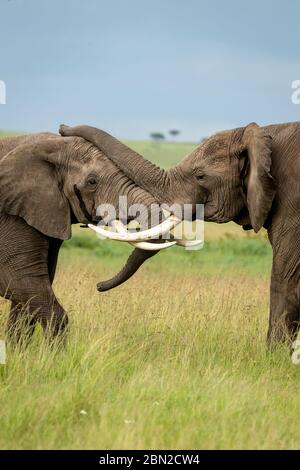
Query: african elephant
x=249 y=175
x=47 y=183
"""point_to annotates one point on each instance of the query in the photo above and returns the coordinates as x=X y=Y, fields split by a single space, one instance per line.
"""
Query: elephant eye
x=200 y=177
x=92 y=181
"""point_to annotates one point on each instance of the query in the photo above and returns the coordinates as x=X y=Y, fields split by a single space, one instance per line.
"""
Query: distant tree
x=174 y=132
x=157 y=136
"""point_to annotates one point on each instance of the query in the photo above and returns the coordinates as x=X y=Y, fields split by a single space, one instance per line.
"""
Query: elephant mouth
x=142 y=240
x=213 y=213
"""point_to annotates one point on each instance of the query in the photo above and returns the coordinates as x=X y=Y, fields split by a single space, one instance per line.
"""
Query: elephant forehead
x=83 y=151
x=216 y=144
x=217 y=149
x=92 y=162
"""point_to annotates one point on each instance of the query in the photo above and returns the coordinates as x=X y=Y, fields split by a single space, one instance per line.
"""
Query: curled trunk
x=134 y=262
x=143 y=173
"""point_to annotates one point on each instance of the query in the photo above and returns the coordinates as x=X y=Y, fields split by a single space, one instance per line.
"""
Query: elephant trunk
x=137 y=256
x=135 y=260
x=144 y=173
x=147 y=176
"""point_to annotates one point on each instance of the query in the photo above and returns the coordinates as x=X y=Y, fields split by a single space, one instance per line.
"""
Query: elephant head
x=52 y=182
x=230 y=173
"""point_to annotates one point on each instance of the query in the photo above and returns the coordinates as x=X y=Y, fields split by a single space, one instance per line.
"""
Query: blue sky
x=132 y=67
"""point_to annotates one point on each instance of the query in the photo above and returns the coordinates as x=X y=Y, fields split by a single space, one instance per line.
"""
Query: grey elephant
x=48 y=183
x=249 y=175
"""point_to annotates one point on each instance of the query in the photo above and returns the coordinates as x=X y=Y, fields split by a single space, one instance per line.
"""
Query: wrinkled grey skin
x=249 y=175
x=47 y=183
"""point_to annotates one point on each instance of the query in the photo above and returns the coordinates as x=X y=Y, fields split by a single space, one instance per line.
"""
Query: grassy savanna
x=174 y=358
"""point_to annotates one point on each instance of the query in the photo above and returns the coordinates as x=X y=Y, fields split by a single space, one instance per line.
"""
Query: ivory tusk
x=118 y=225
x=162 y=246
x=148 y=246
x=154 y=232
x=189 y=243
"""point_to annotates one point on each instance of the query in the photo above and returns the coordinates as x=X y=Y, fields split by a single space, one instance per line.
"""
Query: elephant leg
x=34 y=300
x=27 y=267
x=19 y=327
x=54 y=320
x=21 y=324
x=56 y=324
x=54 y=246
x=284 y=312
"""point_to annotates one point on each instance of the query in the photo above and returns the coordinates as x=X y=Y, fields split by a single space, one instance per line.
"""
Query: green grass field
x=174 y=358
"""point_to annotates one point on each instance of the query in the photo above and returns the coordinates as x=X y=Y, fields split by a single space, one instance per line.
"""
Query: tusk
x=148 y=246
x=118 y=225
x=189 y=243
x=154 y=232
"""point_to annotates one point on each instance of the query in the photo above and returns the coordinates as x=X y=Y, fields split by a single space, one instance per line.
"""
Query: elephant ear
x=260 y=183
x=30 y=187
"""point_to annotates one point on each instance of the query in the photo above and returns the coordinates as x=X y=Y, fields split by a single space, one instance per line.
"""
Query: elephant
x=249 y=175
x=48 y=183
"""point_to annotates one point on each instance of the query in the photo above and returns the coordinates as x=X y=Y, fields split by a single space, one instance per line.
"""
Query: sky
x=133 y=67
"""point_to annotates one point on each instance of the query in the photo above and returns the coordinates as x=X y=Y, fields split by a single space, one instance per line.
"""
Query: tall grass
x=175 y=358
